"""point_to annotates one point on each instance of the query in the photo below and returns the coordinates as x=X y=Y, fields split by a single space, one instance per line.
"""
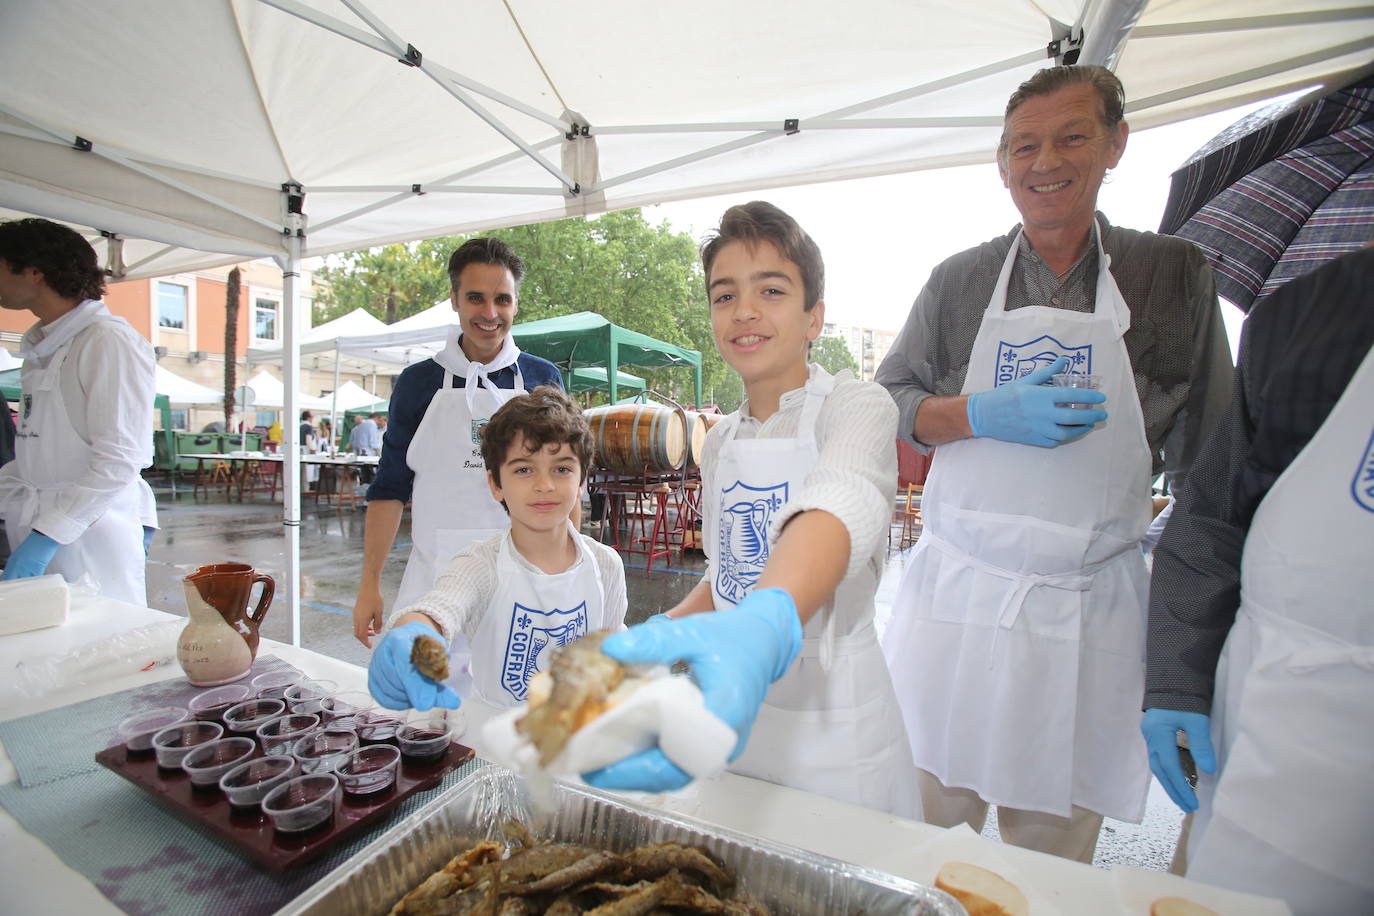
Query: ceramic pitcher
x=221 y=640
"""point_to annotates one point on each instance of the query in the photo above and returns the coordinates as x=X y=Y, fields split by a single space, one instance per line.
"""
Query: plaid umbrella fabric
x=1280 y=192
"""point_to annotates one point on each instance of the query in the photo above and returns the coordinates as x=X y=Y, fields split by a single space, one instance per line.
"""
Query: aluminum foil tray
x=793 y=882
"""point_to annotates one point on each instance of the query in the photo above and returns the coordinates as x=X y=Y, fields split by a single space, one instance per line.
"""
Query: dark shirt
x=410 y=399
x=1299 y=349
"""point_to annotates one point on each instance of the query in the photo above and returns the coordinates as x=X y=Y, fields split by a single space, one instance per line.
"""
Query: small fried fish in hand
x=430 y=658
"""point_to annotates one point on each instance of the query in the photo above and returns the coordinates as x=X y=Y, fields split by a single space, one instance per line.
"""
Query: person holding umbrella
x=1018 y=627
x=1261 y=639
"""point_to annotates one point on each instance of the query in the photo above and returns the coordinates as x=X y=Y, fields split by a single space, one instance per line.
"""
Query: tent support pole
x=291 y=466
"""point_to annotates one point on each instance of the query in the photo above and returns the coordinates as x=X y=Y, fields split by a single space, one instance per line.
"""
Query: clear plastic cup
x=424 y=742
x=247 y=784
x=308 y=696
x=273 y=684
x=369 y=770
x=279 y=735
x=212 y=704
x=303 y=803
x=377 y=726
x=322 y=751
x=1076 y=380
x=245 y=718
x=208 y=762
x=137 y=730
x=172 y=744
x=348 y=703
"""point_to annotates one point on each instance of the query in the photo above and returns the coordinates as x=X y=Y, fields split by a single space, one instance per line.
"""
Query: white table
x=36 y=881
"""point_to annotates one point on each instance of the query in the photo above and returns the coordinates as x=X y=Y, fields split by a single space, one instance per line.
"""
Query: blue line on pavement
x=676 y=572
x=331 y=608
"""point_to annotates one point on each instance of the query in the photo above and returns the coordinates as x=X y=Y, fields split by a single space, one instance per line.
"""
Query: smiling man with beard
x=1018 y=630
x=431 y=450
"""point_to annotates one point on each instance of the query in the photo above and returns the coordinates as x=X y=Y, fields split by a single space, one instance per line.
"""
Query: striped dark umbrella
x=1280 y=192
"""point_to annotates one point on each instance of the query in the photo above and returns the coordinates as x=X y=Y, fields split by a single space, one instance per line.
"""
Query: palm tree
x=231 y=335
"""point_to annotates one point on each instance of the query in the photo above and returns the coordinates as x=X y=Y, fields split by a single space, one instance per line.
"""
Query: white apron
x=1018 y=644
x=50 y=456
x=451 y=504
x=528 y=617
x=830 y=725
x=1290 y=812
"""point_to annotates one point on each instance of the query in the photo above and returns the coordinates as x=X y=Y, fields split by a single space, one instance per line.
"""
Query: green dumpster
x=189 y=444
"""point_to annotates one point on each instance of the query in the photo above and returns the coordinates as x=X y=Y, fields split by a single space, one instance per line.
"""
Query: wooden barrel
x=696 y=437
x=631 y=438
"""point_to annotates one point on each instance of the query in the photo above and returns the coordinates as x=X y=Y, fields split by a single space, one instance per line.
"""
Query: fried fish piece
x=581 y=680
x=453 y=876
x=430 y=658
x=597 y=865
x=655 y=859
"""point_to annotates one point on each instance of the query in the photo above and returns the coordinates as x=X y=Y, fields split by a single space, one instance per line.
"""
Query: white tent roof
x=268 y=393
x=181 y=123
x=358 y=321
x=349 y=396
x=185 y=391
x=8 y=360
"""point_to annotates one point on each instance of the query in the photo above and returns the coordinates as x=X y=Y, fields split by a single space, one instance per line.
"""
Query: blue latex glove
x=31 y=557
x=395 y=683
x=735 y=656
x=1027 y=410
x=148 y=539
x=1160 y=728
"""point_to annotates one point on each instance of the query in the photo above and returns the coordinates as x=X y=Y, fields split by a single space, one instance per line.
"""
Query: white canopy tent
x=184 y=391
x=350 y=395
x=184 y=135
x=269 y=392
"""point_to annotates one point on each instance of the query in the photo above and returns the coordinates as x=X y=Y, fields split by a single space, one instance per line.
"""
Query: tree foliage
x=832 y=354
x=640 y=276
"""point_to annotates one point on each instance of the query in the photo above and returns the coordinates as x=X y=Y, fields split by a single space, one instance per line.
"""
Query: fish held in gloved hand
x=430 y=658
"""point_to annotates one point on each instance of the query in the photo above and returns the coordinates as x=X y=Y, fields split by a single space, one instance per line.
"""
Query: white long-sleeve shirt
x=108 y=386
x=463 y=591
x=854 y=480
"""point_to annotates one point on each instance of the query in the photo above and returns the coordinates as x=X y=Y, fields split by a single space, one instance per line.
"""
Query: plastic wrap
x=106 y=658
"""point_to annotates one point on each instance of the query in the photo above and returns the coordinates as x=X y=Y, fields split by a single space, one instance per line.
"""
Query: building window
x=180 y=417
x=264 y=319
x=171 y=306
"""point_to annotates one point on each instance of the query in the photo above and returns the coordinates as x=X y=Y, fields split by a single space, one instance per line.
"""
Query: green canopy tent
x=596 y=378
x=585 y=339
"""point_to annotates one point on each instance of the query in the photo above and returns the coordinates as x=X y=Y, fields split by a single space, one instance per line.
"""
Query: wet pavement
x=215 y=531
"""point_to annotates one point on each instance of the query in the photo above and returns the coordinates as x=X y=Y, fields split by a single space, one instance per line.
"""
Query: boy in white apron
x=520 y=594
x=798 y=487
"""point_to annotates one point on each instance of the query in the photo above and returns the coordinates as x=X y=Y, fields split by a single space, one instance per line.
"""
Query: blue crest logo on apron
x=1362 y=487
x=743 y=547
x=477 y=425
x=531 y=633
x=1016 y=360
x=27 y=404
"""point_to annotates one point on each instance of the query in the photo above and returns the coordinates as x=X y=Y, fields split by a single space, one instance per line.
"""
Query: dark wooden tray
x=252 y=833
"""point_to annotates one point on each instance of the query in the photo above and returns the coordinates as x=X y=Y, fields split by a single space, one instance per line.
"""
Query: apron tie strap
x=1015 y=600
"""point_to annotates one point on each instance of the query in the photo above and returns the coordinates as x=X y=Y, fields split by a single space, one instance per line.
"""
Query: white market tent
x=350 y=395
x=182 y=135
x=184 y=391
x=268 y=391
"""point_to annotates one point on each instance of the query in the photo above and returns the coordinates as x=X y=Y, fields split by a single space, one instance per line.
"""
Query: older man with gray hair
x=1018 y=629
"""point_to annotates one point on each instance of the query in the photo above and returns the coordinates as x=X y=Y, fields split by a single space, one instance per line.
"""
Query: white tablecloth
x=36 y=881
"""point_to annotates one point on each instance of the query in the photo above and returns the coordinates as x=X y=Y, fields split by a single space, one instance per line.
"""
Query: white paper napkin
x=667 y=710
x=33 y=603
x=1137 y=888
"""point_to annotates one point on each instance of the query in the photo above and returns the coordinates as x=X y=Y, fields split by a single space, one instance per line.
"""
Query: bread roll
x=982 y=892
x=1179 y=906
